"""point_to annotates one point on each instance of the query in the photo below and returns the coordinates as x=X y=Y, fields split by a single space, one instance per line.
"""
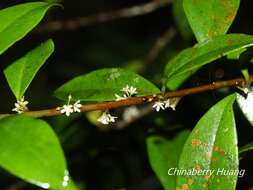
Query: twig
x=141 y=100
x=103 y=17
x=161 y=42
x=17 y=186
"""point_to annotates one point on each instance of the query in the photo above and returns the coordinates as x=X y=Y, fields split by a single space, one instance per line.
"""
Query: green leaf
x=163 y=155
x=181 y=20
x=190 y=60
x=212 y=146
x=30 y=150
x=210 y=18
x=246 y=148
x=246 y=105
x=17 y=21
x=103 y=84
x=21 y=73
x=235 y=55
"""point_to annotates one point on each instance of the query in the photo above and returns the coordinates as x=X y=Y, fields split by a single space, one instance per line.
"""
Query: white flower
x=67 y=109
x=112 y=118
x=118 y=97
x=159 y=105
x=77 y=106
x=106 y=118
x=246 y=90
x=21 y=106
x=167 y=103
x=172 y=103
x=129 y=90
x=70 y=108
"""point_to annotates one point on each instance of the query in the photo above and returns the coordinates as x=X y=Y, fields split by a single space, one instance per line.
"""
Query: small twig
x=161 y=42
x=17 y=186
x=141 y=100
x=73 y=24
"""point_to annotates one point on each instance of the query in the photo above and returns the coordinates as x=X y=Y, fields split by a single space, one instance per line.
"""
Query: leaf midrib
x=25 y=13
x=177 y=71
x=22 y=72
x=223 y=113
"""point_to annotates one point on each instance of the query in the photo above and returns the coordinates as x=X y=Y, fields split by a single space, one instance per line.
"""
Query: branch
x=17 y=186
x=160 y=44
x=73 y=24
x=142 y=99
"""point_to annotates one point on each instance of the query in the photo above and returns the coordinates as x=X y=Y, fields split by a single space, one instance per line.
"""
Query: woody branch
x=239 y=82
x=75 y=23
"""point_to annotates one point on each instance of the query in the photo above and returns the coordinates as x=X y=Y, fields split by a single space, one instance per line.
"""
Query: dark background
x=104 y=158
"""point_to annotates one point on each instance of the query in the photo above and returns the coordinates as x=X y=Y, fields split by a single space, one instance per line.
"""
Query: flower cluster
x=106 y=118
x=128 y=92
x=21 y=106
x=70 y=108
x=169 y=103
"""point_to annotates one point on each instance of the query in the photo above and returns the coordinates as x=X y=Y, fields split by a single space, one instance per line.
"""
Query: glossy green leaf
x=17 y=21
x=181 y=20
x=236 y=54
x=246 y=105
x=210 y=18
x=246 y=148
x=103 y=84
x=21 y=73
x=190 y=60
x=30 y=150
x=163 y=155
x=212 y=146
